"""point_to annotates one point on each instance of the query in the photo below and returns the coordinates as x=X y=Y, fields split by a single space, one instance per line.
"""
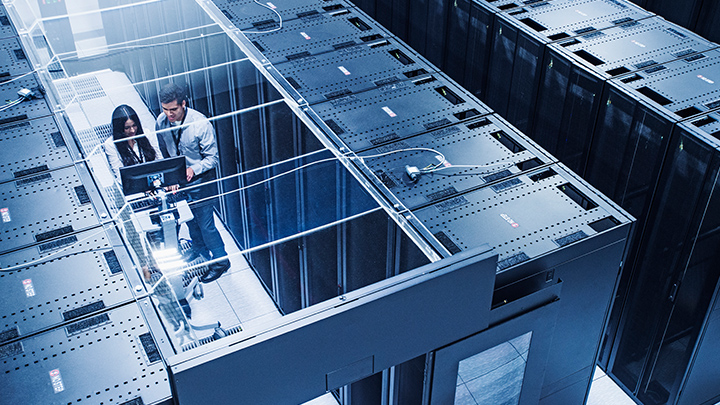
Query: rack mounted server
x=248 y=15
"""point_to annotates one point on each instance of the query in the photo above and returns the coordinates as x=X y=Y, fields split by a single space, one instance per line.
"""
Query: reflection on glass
x=494 y=376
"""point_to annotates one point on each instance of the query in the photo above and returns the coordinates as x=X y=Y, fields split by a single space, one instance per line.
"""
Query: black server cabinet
x=575 y=71
x=684 y=13
x=316 y=34
x=249 y=16
x=14 y=63
x=636 y=117
x=34 y=146
x=107 y=358
x=33 y=107
x=518 y=46
x=6 y=28
x=56 y=282
x=47 y=207
x=474 y=62
x=708 y=24
x=546 y=225
x=353 y=70
x=468 y=155
x=666 y=348
x=397 y=110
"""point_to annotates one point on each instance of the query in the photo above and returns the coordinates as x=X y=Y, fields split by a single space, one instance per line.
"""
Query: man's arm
x=208 y=148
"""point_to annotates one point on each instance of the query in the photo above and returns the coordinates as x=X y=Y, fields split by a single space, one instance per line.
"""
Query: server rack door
x=684 y=13
x=436 y=32
x=553 y=87
x=400 y=18
x=456 y=42
x=500 y=68
x=708 y=24
x=674 y=275
x=503 y=364
x=478 y=49
x=384 y=13
x=418 y=25
x=627 y=150
x=525 y=80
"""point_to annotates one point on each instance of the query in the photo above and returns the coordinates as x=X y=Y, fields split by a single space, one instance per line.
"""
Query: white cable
x=12 y=104
x=466 y=166
x=280 y=20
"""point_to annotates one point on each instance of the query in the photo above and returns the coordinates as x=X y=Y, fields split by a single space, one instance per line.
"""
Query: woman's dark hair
x=121 y=114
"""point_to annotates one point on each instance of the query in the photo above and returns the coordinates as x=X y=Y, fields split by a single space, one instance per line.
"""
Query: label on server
x=345 y=71
x=305 y=35
x=56 y=380
x=29 y=289
x=389 y=112
x=5 y=214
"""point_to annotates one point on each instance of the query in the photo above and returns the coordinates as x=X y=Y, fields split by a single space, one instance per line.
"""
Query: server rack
x=546 y=225
x=707 y=23
x=57 y=282
x=34 y=107
x=467 y=54
x=248 y=15
x=575 y=71
x=316 y=34
x=636 y=118
x=684 y=13
x=13 y=62
x=34 y=146
x=350 y=71
x=107 y=358
x=45 y=207
x=496 y=149
x=666 y=350
x=396 y=111
x=6 y=28
x=518 y=45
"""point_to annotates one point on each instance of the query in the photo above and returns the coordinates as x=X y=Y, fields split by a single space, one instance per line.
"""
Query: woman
x=121 y=152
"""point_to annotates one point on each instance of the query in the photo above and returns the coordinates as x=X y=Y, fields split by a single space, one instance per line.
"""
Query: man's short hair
x=172 y=92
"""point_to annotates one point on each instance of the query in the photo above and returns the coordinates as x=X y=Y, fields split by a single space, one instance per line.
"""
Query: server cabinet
x=43 y=207
x=636 y=117
x=546 y=225
x=518 y=46
x=34 y=146
x=575 y=71
x=6 y=28
x=684 y=13
x=33 y=107
x=59 y=281
x=665 y=351
x=396 y=111
x=463 y=156
x=107 y=358
x=250 y=16
x=353 y=70
x=14 y=62
x=708 y=21
x=316 y=34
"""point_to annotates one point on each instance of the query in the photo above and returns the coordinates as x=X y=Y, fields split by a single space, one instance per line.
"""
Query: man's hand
x=190 y=173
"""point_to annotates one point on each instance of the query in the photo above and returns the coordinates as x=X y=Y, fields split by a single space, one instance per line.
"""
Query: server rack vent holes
x=589 y=57
x=557 y=37
x=654 y=96
x=415 y=73
x=688 y=112
x=574 y=194
x=360 y=24
x=400 y=56
x=618 y=71
x=604 y=224
x=453 y=98
x=533 y=24
x=543 y=175
x=507 y=141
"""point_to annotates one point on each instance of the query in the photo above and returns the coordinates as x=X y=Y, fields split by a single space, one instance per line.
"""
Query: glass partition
x=270 y=220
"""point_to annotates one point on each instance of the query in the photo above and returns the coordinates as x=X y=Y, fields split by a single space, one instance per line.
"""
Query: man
x=192 y=135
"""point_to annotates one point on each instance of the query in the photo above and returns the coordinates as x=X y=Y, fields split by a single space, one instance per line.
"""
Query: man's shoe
x=215 y=270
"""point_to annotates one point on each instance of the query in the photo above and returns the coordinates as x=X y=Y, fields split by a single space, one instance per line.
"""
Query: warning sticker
x=56 y=380
x=389 y=112
x=29 y=289
x=345 y=71
x=272 y=6
x=306 y=36
x=5 y=214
